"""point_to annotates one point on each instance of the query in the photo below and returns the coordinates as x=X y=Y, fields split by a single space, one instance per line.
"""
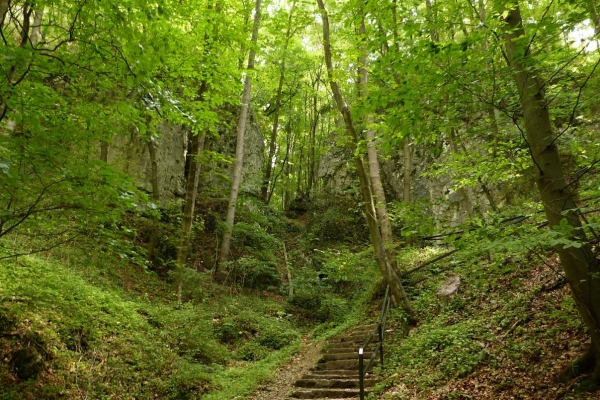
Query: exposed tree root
x=586 y=363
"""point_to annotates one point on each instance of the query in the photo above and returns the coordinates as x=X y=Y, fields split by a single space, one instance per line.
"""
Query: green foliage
x=413 y=218
x=334 y=221
x=135 y=340
x=268 y=332
x=446 y=351
x=313 y=306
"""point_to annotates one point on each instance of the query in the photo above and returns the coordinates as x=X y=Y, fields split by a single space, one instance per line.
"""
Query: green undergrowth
x=99 y=321
x=94 y=338
x=510 y=321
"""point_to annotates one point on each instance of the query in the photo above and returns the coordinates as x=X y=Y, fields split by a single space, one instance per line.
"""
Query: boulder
x=450 y=287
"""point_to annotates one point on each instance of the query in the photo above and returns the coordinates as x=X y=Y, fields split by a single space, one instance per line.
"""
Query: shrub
x=254 y=273
x=252 y=351
x=335 y=220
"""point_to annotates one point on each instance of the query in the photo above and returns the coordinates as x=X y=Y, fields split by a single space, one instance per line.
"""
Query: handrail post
x=361 y=375
x=381 y=344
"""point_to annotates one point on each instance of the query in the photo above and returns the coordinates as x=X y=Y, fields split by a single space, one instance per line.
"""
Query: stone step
x=345 y=356
x=339 y=364
x=354 y=375
x=335 y=372
x=352 y=345
x=362 y=332
x=325 y=393
x=357 y=338
x=333 y=383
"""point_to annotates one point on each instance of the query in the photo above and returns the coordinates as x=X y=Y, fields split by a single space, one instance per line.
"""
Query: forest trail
x=311 y=375
x=283 y=381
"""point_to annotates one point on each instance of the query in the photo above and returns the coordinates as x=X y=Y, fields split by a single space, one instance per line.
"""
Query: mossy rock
x=27 y=363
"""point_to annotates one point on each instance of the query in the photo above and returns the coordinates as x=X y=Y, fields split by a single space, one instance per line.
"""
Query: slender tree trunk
x=273 y=141
x=406 y=153
x=151 y=250
x=406 y=184
x=376 y=241
x=191 y=190
x=434 y=33
x=595 y=16
x=407 y=167
x=3 y=10
x=289 y=171
x=299 y=192
x=196 y=148
x=374 y=169
x=465 y=203
x=289 y=272
x=239 y=149
x=28 y=10
x=495 y=130
x=312 y=139
x=284 y=163
x=104 y=151
x=580 y=265
x=191 y=187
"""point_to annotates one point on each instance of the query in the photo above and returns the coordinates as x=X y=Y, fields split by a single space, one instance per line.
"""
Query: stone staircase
x=336 y=374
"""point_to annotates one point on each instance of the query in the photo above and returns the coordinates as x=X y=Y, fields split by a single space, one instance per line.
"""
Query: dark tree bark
x=104 y=151
x=373 y=159
x=375 y=235
x=273 y=141
x=594 y=8
x=191 y=187
x=151 y=250
x=239 y=149
x=579 y=264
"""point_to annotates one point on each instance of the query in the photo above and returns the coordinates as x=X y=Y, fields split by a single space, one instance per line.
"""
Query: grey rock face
x=217 y=175
x=337 y=172
x=130 y=154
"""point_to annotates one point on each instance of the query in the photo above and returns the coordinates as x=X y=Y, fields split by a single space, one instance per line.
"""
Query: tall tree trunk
x=299 y=192
x=595 y=16
x=581 y=268
x=104 y=151
x=434 y=33
x=191 y=190
x=289 y=171
x=406 y=184
x=465 y=202
x=196 y=149
x=376 y=241
x=284 y=162
x=191 y=186
x=312 y=138
x=3 y=10
x=407 y=167
x=151 y=250
x=26 y=38
x=273 y=141
x=239 y=149
x=374 y=169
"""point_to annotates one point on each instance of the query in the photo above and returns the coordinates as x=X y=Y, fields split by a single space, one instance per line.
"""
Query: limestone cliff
x=130 y=154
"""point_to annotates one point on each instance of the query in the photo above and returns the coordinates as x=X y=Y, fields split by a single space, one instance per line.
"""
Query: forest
x=216 y=199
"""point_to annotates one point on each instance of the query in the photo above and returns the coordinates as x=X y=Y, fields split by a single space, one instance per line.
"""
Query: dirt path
x=282 y=385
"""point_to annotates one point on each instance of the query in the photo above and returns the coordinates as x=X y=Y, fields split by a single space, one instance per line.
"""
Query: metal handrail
x=380 y=329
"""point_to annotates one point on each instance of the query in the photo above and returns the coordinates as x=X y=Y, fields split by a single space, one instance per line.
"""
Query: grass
x=107 y=332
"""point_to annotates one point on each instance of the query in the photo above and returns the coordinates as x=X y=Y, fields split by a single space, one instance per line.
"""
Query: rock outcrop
x=130 y=154
x=337 y=173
